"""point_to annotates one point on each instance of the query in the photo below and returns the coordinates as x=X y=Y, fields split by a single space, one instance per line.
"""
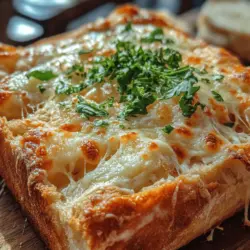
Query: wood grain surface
x=15 y=231
x=17 y=234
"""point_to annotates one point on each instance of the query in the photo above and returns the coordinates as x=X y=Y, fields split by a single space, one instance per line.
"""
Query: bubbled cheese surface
x=135 y=153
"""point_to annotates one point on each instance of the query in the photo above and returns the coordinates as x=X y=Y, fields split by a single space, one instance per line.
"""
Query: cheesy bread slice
x=125 y=134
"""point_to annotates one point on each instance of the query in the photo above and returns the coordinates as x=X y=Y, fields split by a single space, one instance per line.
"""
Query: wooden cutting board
x=17 y=234
x=15 y=231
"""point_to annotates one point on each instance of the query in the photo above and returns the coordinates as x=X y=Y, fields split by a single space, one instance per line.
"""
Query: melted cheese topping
x=134 y=154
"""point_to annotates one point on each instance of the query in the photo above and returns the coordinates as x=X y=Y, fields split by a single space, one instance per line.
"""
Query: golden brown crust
x=163 y=217
x=14 y=170
x=166 y=217
x=8 y=58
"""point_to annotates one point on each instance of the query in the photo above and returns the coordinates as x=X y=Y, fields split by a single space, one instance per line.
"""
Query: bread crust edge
x=14 y=171
x=177 y=212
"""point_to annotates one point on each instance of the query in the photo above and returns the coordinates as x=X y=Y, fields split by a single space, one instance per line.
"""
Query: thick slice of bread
x=95 y=171
x=226 y=23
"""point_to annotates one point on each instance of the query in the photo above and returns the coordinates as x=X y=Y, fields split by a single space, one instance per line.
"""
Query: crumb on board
x=210 y=237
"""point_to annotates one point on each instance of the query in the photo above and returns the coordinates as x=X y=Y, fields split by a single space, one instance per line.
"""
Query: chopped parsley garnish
x=98 y=73
x=65 y=104
x=186 y=86
x=202 y=105
x=172 y=57
x=169 y=41
x=157 y=35
x=42 y=75
x=205 y=80
x=65 y=88
x=84 y=51
x=229 y=124
x=217 y=96
x=108 y=103
x=41 y=88
x=101 y=123
x=200 y=71
x=187 y=106
x=128 y=27
x=138 y=105
x=168 y=129
x=122 y=126
x=218 y=77
x=68 y=89
x=144 y=76
x=90 y=109
x=76 y=69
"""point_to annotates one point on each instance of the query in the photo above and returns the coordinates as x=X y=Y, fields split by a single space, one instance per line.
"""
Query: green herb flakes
x=42 y=75
x=90 y=109
x=217 y=96
x=108 y=103
x=41 y=88
x=218 y=77
x=76 y=69
x=144 y=76
x=187 y=106
x=168 y=129
x=84 y=51
x=68 y=89
x=156 y=35
x=229 y=124
x=205 y=80
x=137 y=105
x=101 y=123
x=122 y=126
x=128 y=27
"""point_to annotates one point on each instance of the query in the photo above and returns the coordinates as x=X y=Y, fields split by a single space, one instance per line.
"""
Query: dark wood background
x=82 y=11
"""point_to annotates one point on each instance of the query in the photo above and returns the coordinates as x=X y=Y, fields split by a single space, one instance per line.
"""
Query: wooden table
x=17 y=234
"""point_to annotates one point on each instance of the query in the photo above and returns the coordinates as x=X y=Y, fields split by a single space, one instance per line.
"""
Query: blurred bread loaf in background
x=226 y=23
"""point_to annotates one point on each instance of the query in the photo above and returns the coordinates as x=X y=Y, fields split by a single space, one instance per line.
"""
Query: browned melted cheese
x=79 y=157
